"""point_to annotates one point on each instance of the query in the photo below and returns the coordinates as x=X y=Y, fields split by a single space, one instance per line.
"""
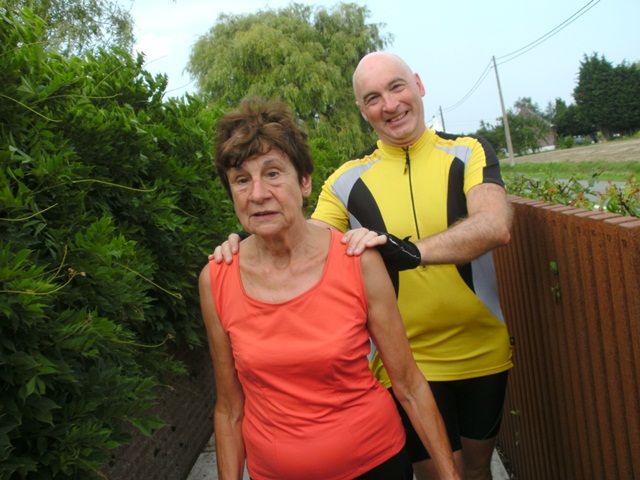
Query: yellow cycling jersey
x=451 y=312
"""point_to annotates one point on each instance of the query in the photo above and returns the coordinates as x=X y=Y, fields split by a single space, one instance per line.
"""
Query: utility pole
x=442 y=120
x=504 y=117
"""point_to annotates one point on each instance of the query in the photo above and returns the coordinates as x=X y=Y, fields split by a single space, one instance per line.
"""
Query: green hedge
x=108 y=206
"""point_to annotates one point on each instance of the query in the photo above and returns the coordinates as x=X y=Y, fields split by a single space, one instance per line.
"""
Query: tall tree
x=494 y=134
x=627 y=98
x=568 y=119
x=77 y=26
x=592 y=94
x=528 y=127
x=301 y=54
x=608 y=96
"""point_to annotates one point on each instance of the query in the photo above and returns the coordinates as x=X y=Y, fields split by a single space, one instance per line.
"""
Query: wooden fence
x=569 y=283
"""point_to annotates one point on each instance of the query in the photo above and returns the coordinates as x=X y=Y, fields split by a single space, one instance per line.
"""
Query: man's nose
x=390 y=102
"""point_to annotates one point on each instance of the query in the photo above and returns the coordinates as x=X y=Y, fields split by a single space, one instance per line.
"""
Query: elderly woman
x=289 y=322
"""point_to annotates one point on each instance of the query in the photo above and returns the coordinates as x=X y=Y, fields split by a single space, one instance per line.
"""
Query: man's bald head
x=375 y=60
x=389 y=96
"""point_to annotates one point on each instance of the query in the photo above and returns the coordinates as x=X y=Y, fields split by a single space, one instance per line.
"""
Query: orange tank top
x=313 y=408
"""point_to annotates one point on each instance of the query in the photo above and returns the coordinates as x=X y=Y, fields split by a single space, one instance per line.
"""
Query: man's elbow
x=499 y=235
x=502 y=227
x=503 y=236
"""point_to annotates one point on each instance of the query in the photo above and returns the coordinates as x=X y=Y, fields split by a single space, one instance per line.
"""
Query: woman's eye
x=240 y=182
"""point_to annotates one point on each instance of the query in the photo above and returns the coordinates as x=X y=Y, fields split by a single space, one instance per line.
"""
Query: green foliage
x=565 y=192
x=495 y=135
x=528 y=127
x=606 y=170
x=608 y=96
x=301 y=54
x=623 y=199
x=567 y=142
x=324 y=159
x=107 y=208
x=569 y=120
x=74 y=27
x=556 y=289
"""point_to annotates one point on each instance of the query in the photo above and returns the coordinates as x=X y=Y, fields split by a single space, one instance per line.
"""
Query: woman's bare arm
x=409 y=385
x=229 y=409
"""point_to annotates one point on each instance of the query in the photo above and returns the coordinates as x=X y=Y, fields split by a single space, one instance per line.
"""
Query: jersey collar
x=399 y=152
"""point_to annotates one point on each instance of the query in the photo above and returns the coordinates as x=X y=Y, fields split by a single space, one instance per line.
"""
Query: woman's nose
x=258 y=189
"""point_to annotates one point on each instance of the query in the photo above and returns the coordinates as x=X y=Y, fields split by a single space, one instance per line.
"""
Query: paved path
x=206 y=469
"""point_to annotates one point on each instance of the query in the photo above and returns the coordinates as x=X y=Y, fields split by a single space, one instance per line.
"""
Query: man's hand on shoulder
x=359 y=239
x=227 y=250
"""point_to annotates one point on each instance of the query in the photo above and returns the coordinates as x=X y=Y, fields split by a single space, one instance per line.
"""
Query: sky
x=538 y=45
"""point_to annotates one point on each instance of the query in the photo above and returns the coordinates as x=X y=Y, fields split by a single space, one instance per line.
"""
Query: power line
x=549 y=34
x=483 y=75
x=521 y=51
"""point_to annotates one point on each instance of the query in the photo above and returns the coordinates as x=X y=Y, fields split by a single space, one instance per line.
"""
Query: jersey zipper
x=407 y=169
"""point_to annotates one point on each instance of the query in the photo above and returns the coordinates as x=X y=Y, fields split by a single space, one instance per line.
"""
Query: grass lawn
x=614 y=171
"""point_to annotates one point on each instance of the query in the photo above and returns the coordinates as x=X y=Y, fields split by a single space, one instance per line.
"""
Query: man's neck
x=407 y=145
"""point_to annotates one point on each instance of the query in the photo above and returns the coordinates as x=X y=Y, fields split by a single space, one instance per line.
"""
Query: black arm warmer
x=399 y=254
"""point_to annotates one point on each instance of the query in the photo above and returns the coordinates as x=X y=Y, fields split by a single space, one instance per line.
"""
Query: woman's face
x=267 y=195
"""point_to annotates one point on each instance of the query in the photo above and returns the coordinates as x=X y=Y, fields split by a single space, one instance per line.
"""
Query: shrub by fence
x=107 y=209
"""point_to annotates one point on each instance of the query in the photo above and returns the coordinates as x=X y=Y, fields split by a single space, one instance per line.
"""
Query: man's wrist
x=399 y=254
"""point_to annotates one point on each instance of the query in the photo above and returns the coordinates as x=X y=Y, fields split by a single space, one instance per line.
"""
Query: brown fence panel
x=569 y=282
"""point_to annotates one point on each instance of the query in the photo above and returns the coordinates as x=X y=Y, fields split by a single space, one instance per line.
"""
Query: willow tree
x=304 y=55
x=74 y=27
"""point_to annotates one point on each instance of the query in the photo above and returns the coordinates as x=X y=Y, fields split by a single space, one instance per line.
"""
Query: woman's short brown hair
x=257 y=126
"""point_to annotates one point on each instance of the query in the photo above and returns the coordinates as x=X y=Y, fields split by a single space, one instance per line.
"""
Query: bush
x=107 y=204
x=567 y=142
x=619 y=199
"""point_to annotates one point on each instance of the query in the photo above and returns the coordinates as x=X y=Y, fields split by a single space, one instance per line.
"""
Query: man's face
x=389 y=97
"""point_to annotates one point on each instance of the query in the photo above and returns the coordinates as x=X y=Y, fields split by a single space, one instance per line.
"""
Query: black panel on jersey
x=364 y=208
x=365 y=153
x=457 y=209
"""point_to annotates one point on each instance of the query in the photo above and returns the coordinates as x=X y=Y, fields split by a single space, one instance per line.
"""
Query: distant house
x=550 y=141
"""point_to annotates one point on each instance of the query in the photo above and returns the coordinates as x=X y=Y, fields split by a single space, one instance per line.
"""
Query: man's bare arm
x=486 y=227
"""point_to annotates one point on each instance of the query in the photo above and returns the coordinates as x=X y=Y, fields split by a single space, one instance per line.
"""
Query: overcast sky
x=538 y=45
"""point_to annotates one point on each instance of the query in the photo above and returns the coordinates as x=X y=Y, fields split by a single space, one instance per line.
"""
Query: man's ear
x=420 y=85
x=364 y=115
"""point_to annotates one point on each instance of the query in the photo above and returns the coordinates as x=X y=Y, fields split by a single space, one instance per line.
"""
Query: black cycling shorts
x=397 y=467
x=470 y=408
